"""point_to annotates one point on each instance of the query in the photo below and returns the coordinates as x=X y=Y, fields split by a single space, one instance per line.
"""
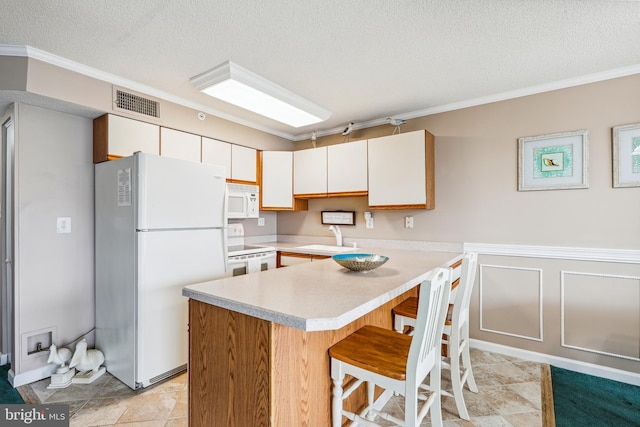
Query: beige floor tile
x=100 y=412
x=177 y=422
x=155 y=423
x=149 y=407
x=530 y=391
x=501 y=374
x=114 y=388
x=181 y=408
x=505 y=402
x=528 y=419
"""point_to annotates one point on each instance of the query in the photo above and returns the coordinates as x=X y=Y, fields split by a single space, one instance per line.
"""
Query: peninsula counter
x=258 y=343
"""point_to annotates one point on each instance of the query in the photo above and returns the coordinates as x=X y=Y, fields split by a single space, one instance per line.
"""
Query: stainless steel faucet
x=338 y=234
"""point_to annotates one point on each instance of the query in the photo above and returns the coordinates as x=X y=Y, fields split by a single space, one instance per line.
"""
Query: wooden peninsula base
x=245 y=371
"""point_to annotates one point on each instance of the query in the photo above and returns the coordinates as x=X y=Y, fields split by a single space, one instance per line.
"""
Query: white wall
x=54 y=273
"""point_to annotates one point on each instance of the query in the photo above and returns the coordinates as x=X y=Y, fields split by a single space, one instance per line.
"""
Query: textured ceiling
x=363 y=60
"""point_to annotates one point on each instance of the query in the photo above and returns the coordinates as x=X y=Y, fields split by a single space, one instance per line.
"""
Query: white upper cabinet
x=241 y=162
x=244 y=164
x=217 y=153
x=347 y=168
x=310 y=172
x=401 y=171
x=277 y=182
x=180 y=145
x=115 y=137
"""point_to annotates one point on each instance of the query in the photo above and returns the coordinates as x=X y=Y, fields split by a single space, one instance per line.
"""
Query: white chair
x=455 y=332
x=395 y=362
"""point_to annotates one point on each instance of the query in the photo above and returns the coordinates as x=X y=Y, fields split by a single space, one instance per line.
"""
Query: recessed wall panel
x=511 y=301
x=601 y=313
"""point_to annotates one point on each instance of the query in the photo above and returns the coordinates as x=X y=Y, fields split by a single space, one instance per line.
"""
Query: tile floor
x=509 y=395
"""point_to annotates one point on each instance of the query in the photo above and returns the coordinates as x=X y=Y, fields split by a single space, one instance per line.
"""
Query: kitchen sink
x=326 y=248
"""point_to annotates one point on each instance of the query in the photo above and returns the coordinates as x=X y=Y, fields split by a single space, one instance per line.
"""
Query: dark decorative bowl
x=360 y=262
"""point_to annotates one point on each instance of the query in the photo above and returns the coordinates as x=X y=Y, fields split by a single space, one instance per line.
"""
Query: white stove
x=243 y=258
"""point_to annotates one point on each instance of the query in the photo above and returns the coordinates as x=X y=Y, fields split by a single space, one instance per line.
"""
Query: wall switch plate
x=408 y=222
x=260 y=222
x=368 y=219
x=63 y=224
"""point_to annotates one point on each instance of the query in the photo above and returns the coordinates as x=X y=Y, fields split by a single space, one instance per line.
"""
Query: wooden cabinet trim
x=101 y=139
x=349 y=194
x=423 y=206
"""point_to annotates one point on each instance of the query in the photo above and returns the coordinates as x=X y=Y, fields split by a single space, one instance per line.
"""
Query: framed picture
x=626 y=167
x=556 y=161
x=338 y=217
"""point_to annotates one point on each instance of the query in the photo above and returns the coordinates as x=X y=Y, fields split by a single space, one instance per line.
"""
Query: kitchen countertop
x=322 y=295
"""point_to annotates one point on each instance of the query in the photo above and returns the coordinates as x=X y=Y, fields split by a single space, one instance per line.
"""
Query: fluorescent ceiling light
x=239 y=86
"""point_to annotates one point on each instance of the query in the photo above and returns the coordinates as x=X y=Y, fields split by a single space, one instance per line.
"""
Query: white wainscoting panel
x=601 y=313
x=511 y=301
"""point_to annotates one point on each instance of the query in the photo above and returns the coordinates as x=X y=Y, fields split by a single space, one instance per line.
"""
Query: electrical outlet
x=408 y=222
x=260 y=222
x=63 y=224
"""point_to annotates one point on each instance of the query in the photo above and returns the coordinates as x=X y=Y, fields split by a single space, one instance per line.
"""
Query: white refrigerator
x=159 y=225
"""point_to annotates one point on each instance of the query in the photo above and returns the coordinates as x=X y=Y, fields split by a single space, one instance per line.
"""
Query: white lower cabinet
x=285 y=259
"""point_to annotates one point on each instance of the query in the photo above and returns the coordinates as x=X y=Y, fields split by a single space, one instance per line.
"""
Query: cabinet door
x=347 y=168
x=277 y=180
x=286 y=259
x=115 y=137
x=217 y=153
x=310 y=172
x=179 y=145
x=244 y=164
x=401 y=171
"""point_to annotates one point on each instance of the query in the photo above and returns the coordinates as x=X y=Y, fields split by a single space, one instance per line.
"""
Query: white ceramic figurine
x=86 y=360
x=59 y=357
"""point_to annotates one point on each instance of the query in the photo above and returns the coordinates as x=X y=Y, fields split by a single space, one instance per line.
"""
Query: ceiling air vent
x=127 y=101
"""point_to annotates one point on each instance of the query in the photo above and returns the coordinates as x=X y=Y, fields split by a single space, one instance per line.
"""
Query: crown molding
x=58 y=61
x=504 y=96
x=28 y=51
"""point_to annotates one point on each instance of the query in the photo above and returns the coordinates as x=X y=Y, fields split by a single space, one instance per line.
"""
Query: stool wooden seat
x=455 y=332
x=395 y=362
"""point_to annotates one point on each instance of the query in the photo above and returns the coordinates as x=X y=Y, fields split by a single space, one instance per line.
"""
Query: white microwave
x=243 y=201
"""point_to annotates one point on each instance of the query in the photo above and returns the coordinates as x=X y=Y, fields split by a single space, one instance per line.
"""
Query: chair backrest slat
x=465 y=288
x=432 y=309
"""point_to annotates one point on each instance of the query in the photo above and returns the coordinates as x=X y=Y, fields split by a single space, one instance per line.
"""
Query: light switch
x=63 y=224
x=368 y=219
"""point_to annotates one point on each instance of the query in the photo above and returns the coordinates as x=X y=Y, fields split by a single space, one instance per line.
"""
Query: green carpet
x=585 y=400
x=8 y=394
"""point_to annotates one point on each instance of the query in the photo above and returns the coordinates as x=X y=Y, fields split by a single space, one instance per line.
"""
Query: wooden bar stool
x=455 y=332
x=396 y=362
